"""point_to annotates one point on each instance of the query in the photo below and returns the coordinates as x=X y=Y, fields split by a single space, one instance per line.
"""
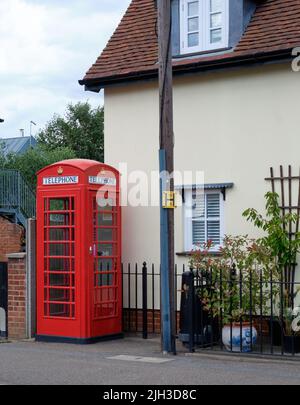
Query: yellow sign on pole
x=169 y=200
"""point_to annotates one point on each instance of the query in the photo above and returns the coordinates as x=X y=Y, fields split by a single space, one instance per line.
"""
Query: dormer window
x=204 y=25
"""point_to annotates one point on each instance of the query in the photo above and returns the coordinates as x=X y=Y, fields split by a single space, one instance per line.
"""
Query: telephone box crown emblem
x=60 y=170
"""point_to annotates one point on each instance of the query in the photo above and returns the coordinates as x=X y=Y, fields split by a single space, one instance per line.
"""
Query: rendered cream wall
x=232 y=125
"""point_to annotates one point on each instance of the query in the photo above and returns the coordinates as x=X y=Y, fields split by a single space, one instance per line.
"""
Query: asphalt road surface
x=133 y=361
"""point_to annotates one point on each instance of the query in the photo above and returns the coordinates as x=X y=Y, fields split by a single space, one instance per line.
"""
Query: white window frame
x=188 y=220
x=204 y=27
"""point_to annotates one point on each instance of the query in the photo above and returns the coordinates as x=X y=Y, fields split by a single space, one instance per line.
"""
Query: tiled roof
x=132 y=49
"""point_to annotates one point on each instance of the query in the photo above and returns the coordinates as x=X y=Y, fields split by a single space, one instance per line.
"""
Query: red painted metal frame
x=94 y=309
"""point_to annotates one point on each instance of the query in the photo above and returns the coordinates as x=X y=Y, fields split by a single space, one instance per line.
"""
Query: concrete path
x=132 y=361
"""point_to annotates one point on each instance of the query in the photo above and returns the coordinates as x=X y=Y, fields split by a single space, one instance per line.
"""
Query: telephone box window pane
x=105 y=294
x=59 y=249
x=104 y=280
x=101 y=312
x=58 y=264
x=59 y=220
x=61 y=234
x=105 y=235
x=105 y=204
x=105 y=310
x=104 y=265
x=105 y=219
x=60 y=204
x=60 y=280
x=61 y=295
x=61 y=310
x=105 y=250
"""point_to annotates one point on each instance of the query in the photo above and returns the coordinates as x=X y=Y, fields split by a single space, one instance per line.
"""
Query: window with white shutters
x=204 y=218
x=204 y=25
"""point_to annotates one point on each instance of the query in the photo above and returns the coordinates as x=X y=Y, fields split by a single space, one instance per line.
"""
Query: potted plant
x=233 y=287
x=291 y=339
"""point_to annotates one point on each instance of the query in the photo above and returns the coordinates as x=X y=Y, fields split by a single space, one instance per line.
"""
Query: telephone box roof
x=81 y=164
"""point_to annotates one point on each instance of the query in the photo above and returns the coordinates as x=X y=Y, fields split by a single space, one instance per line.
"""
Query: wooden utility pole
x=166 y=158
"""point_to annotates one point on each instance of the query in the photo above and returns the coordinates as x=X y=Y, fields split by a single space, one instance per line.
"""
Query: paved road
x=41 y=363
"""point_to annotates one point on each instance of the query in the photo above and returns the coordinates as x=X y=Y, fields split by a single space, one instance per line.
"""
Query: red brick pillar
x=17 y=296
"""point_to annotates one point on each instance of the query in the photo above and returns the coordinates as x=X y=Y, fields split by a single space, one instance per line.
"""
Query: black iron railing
x=239 y=315
x=141 y=298
x=216 y=312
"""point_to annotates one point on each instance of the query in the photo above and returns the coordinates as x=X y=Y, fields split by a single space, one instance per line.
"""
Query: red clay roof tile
x=133 y=49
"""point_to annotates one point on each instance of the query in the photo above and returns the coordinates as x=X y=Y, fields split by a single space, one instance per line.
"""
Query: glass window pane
x=105 y=310
x=216 y=20
x=105 y=204
x=104 y=265
x=193 y=40
x=61 y=234
x=193 y=24
x=59 y=219
x=105 y=235
x=59 y=204
x=58 y=249
x=102 y=280
x=105 y=218
x=216 y=5
x=59 y=264
x=105 y=250
x=61 y=295
x=61 y=280
x=61 y=310
x=216 y=36
x=193 y=8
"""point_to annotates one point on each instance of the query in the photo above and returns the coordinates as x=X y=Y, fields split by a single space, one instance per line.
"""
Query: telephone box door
x=58 y=257
x=105 y=280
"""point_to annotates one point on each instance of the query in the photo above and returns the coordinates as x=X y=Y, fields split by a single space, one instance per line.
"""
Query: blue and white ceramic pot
x=232 y=342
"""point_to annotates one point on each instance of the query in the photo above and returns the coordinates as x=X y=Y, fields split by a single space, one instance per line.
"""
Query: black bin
x=193 y=317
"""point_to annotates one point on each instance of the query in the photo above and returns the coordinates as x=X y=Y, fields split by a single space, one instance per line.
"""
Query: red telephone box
x=79 y=282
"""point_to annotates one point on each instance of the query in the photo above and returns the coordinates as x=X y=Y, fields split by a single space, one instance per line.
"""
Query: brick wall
x=133 y=320
x=10 y=238
x=17 y=296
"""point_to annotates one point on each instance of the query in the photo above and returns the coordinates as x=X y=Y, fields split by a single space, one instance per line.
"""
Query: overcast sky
x=46 y=46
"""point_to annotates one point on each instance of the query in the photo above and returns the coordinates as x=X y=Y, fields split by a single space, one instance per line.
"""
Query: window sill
x=189 y=254
x=201 y=53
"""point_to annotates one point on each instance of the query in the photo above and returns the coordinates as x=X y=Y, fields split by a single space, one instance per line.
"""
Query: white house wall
x=232 y=125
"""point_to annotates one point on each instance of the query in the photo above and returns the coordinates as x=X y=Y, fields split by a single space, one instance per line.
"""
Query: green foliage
x=79 y=134
x=283 y=248
x=237 y=282
x=34 y=160
x=81 y=130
